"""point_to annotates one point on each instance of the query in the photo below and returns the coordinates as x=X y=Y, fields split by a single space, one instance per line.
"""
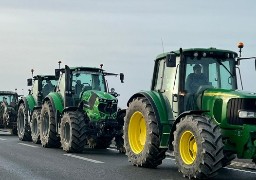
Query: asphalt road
x=25 y=160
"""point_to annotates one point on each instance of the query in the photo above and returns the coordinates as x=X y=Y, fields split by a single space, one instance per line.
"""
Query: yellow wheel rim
x=188 y=147
x=137 y=132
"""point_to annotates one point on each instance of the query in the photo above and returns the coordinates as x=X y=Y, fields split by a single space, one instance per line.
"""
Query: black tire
x=119 y=140
x=48 y=135
x=35 y=126
x=73 y=131
x=143 y=148
x=23 y=128
x=198 y=147
x=229 y=156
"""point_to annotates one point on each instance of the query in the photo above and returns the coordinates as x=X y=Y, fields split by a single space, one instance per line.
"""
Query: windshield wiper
x=219 y=61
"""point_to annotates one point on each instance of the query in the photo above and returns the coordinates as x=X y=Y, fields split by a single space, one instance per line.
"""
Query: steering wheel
x=86 y=84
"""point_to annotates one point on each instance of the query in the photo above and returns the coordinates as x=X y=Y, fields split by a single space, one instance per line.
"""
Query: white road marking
x=240 y=170
x=2 y=139
x=170 y=158
x=28 y=145
x=83 y=158
x=112 y=149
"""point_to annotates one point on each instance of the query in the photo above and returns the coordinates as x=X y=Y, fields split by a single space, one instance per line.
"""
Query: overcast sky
x=123 y=35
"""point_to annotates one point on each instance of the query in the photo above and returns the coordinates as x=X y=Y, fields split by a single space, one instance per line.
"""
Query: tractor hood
x=99 y=105
x=228 y=94
x=229 y=106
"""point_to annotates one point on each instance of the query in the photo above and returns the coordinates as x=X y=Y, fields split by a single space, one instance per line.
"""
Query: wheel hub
x=137 y=132
x=188 y=147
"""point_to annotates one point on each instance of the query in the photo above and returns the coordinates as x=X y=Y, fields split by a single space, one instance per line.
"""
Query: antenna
x=32 y=71
x=162 y=44
x=59 y=64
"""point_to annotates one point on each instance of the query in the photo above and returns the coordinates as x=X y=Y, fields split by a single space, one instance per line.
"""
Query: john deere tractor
x=28 y=119
x=8 y=110
x=195 y=110
x=81 y=111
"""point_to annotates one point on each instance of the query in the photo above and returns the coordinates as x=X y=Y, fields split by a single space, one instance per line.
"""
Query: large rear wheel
x=23 y=127
x=73 y=137
x=35 y=126
x=141 y=135
x=198 y=147
x=48 y=133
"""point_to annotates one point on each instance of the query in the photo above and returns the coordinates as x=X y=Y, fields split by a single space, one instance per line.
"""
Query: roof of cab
x=211 y=49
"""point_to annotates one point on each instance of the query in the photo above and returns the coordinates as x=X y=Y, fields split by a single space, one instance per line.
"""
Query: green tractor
x=29 y=107
x=8 y=110
x=82 y=111
x=195 y=110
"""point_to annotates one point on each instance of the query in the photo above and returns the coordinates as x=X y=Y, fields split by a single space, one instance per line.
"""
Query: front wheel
x=141 y=135
x=198 y=147
x=48 y=133
x=73 y=137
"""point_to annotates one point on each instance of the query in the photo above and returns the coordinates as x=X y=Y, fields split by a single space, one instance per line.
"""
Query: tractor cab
x=73 y=82
x=77 y=83
x=42 y=85
x=184 y=75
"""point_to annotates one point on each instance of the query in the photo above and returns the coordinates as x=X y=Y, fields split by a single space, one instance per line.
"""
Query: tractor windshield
x=48 y=86
x=86 y=80
x=209 y=72
x=8 y=99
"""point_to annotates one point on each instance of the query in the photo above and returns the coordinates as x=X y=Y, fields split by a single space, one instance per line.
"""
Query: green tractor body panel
x=160 y=107
x=31 y=102
x=224 y=106
x=57 y=101
x=97 y=105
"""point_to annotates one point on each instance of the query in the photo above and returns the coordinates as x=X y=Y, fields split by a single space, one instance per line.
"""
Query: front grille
x=108 y=107
x=236 y=104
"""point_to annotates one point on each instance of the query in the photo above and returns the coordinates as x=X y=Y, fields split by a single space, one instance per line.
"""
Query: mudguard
x=56 y=101
x=158 y=103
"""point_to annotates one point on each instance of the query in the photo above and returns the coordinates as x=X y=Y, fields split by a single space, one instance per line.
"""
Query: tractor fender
x=56 y=101
x=57 y=104
x=158 y=103
x=197 y=112
x=29 y=103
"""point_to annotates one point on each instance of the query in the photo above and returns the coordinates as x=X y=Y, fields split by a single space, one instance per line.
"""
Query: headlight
x=246 y=114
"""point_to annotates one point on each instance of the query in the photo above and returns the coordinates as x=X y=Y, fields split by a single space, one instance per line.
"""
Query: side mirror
x=255 y=63
x=29 y=82
x=122 y=77
x=171 y=60
x=57 y=73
